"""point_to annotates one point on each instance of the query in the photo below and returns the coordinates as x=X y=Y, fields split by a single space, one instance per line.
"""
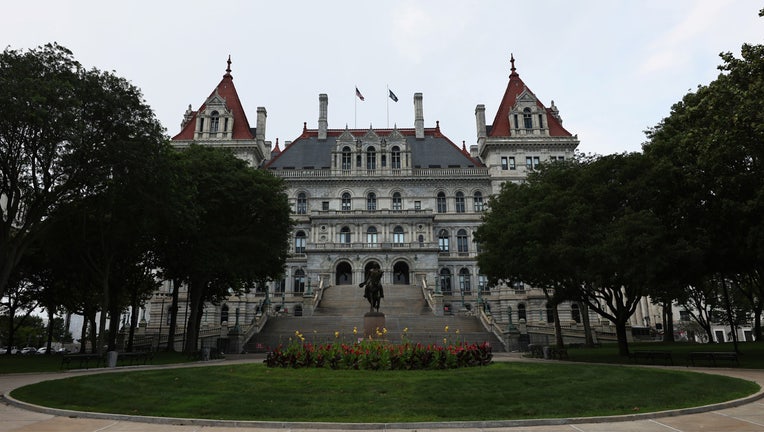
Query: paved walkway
x=740 y=416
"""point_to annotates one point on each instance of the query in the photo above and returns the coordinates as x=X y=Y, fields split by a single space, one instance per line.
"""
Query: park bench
x=135 y=357
x=652 y=356
x=82 y=360
x=713 y=356
x=536 y=351
x=558 y=353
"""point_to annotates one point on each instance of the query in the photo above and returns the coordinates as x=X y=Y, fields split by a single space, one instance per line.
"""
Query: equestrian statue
x=373 y=287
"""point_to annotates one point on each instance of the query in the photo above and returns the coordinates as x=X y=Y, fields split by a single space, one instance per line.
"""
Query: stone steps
x=342 y=310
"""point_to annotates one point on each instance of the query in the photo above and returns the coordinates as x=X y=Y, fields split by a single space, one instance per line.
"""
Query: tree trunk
x=49 y=340
x=588 y=338
x=757 y=309
x=94 y=335
x=84 y=334
x=102 y=319
x=173 y=316
x=733 y=327
x=668 y=322
x=133 y=321
x=11 y=329
x=194 y=296
x=114 y=315
x=557 y=328
x=623 y=342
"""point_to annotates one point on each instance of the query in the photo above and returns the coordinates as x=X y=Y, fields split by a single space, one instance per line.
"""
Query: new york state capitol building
x=408 y=199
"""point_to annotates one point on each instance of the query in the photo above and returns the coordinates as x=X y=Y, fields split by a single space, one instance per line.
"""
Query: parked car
x=42 y=350
x=28 y=350
x=5 y=350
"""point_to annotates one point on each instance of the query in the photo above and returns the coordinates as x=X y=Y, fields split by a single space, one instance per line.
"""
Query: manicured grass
x=500 y=391
x=751 y=353
x=52 y=363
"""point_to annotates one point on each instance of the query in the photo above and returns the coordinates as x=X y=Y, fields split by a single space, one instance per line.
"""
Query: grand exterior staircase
x=342 y=308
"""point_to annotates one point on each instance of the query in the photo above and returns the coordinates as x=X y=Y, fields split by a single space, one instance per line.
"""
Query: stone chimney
x=480 y=121
x=323 y=103
x=418 y=116
x=260 y=132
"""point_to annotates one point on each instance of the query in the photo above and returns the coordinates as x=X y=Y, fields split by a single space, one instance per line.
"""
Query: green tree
x=234 y=232
x=585 y=229
x=711 y=147
x=40 y=154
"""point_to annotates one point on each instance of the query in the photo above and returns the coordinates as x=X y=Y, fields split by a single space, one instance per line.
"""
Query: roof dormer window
x=527 y=119
x=214 y=123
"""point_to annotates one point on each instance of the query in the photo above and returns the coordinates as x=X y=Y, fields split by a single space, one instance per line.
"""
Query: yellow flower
x=405 y=330
x=384 y=330
x=336 y=334
x=446 y=329
x=355 y=330
x=457 y=331
x=445 y=341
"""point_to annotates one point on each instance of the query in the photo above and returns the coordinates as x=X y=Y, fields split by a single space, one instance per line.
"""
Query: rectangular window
x=528 y=163
x=541 y=121
x=516 y=123
x=504 y=163
x=535 y=162
x=511 y=162
x=325 y=205
x=417 y=205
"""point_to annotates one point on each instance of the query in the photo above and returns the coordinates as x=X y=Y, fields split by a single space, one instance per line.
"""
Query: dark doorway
x=343 y=274
x=401 y=273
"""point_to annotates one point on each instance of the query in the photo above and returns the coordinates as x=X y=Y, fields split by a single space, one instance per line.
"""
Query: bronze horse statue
x=373 y=288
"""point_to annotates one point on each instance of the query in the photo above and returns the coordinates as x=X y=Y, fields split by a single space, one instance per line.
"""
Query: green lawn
x=500 y=391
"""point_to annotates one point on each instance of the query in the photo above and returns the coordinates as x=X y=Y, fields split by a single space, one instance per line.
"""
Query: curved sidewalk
x=746 y=415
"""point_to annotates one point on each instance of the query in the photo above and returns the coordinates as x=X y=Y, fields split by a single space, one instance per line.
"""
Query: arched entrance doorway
x=343 y=275
x=401 y=273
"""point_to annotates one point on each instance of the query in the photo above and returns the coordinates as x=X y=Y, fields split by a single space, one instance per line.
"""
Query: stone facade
x=408 y=199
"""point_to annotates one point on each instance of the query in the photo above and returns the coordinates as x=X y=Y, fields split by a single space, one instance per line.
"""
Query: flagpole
x=388 y=106
x=355 y=108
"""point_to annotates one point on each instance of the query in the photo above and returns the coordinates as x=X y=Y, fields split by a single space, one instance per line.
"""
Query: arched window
x=397 y=202
x=461 y=242
x=346 y=206
x=549 y=313
x=347 y=159
x=464 y=281
x=398 y=236
x=395 y=158
x=420 y=239
x=299 y=281
x=575 y=313
x=521 y=312
x=302 y=203
x=371 y=236
x=460 y=207
x=442 y=207
x=214 y=122
x=371 y=201
x=445 y=281
x=477 y=201
x=224 y=314
x=527 y=118
x=443 y=241
x=371 y=158
x=345 y=236
x=299 y=242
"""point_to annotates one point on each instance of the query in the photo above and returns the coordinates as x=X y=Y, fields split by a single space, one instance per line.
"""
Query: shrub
x=378 y=354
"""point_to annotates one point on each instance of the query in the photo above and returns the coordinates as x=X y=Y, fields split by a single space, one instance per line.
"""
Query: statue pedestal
x=373 y=321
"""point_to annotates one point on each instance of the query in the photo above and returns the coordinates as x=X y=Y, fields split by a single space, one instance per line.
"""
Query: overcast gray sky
x=612 y=67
